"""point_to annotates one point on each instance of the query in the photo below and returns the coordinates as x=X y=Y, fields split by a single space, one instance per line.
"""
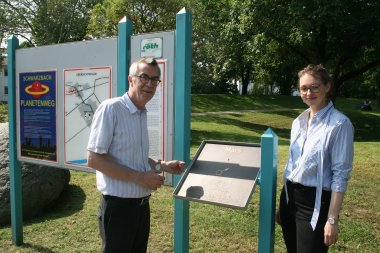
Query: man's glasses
x=313 y=89
x=145 y=79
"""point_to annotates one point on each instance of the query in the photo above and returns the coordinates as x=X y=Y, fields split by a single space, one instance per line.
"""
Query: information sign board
x=83 y=77
x=38 y=110
x=156 y=116
x=85 y=89
x=82 y=74
x=161 y=107
x=221 y=173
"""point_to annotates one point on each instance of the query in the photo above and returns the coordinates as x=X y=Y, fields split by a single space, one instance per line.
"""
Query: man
x=118 y=150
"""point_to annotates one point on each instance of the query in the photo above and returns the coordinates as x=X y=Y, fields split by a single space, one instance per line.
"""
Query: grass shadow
x=69 y=202
x=198 y=136
x=221 y=102
x=257 y=130
x=37 y=248
x=366 y=124
x=291 y=114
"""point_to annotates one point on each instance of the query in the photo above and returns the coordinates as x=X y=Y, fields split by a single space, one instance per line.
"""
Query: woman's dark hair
x=317 y=71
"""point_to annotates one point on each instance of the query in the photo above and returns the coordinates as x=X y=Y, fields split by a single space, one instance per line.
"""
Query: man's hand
x=150 y=179
x=173 y=167
x=278 y=217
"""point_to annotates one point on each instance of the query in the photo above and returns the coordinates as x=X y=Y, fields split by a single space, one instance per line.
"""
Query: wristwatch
x=158 y=165
x=332 y=220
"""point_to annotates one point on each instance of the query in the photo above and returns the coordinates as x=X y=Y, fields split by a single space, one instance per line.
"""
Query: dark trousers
x=124 y=224
x=296 y=216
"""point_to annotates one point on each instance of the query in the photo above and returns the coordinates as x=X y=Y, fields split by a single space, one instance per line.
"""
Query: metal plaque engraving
x=221 y=173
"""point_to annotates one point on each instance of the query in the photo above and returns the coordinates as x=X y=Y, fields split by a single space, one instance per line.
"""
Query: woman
x=318 y=168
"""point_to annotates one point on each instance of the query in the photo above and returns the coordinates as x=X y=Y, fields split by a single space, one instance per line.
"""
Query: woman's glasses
x=315 y=88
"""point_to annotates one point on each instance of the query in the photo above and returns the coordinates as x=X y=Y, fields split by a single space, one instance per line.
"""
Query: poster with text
x=84 y=90
x=38 y=122
x=157 y=117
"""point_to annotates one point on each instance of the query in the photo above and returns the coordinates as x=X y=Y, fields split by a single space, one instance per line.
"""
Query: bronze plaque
x=221 y=173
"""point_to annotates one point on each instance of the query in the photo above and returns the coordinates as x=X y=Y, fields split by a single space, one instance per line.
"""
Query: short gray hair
x=148 y=60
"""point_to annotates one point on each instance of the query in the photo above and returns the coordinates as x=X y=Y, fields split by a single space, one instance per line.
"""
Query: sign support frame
x=125 y=28
x=268 y=182
x=182 y=114
x=14 y=164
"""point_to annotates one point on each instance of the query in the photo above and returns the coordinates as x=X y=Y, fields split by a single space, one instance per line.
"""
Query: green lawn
x=71 y=226
x=3 y=113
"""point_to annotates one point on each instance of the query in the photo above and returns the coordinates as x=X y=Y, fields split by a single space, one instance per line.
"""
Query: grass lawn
x=3 y=113
x=71 y=226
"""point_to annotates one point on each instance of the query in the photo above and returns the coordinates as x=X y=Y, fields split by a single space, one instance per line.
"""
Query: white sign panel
x=161 y=107
x=157 y=117
x=85 y=75
x=85 y=89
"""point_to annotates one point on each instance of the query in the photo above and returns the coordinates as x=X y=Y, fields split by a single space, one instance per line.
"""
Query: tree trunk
x=245 y=81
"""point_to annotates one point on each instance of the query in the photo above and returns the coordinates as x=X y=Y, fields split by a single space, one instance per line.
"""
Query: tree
x=146 y=16
x=227 y=48
x=15 y=18
x=343 y=35
x=58 y=21
x=42 y=22
x=213 y=68
x=238 y=47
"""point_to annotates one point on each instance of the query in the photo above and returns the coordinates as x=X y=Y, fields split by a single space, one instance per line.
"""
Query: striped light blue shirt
x=120 y=130
x=322 y=155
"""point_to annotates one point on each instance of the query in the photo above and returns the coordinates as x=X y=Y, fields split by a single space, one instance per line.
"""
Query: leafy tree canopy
x=146 y=16
x=264 y=41
x=43 y=22
x=343 y=35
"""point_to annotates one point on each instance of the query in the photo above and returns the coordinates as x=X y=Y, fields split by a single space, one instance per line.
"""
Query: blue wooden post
x=268 y=182
x=14 y=165
x=123 y=54
x=182 y=113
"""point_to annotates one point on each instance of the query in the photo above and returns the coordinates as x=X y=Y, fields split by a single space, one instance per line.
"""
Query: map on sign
x=85 y=89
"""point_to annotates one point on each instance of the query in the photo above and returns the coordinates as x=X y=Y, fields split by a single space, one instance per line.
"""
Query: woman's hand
x=331 y=233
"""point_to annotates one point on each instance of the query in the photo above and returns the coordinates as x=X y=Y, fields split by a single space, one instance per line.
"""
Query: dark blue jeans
x=296 y=216
x=124 y=224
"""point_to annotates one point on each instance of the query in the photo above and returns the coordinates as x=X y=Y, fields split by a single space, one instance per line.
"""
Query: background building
x=3 y=77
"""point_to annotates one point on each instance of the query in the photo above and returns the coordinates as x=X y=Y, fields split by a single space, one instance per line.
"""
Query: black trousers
x=124 y=224
x=296 y=216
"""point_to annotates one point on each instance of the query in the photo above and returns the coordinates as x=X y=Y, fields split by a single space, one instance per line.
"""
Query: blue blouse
x=321 y=155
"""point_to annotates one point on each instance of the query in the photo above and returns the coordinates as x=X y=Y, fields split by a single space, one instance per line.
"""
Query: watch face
x=331 y=221
x=158 y=165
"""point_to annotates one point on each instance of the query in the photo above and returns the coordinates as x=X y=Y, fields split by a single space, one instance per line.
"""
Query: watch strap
x=332 y=220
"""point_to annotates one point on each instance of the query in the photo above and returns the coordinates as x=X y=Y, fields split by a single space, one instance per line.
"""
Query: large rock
x=41 y=185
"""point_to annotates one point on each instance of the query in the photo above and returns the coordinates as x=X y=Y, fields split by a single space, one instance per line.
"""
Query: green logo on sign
x=150 y=46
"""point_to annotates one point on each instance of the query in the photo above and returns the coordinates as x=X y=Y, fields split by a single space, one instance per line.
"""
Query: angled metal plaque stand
x=222 y=173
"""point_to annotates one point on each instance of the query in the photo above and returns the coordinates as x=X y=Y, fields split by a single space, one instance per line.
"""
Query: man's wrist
x=157 y=165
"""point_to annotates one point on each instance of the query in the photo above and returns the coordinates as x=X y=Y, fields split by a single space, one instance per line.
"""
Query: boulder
x=41 y=185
